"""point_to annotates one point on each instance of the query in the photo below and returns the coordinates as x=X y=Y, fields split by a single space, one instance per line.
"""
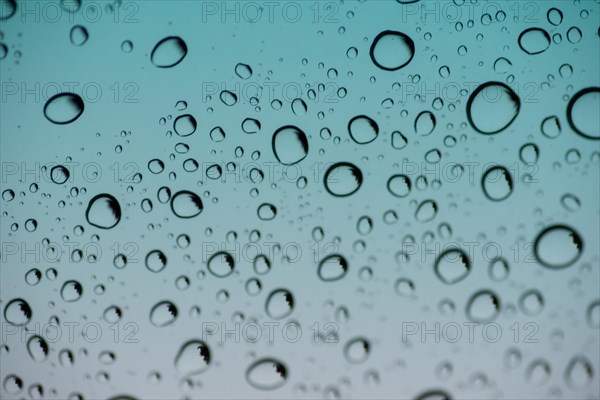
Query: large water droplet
x=63 y=108
x=392 y=50
x=8 y=8
x=332 y=268
x=103 y=211
x=425 y=123
x=363 y=129
x=558 y=246
x=17 y=312
x=290 y=145
x=267 y=374
x=492 y=107
x=169 y=52
x=186 y=204
x=582 y=113
x=534 y=41
x=343 y=179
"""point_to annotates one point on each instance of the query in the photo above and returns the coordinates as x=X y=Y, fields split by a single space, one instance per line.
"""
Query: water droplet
x=426 y=211
x=579 y=372
x=228 y=98
x=434 y=394
x=186 y=204
x=290 y=145
x=551 y=127
x=363 y=129
x=266 y=212
x=193 y=357
x=332 y=268
x=163 y=313
x=497 y=183
x=59 y=174
x=399 y=185
x=570 y=202
x=555 y=16
x=392 y=50
x=244 y=71
x=279 y=304
x=483 y=306
x=582 y=113
x=112 y=314
x=221 y=264
x=78 y=35
x=531 y=302
x=103 y=211
x=492 y=107
x=558 y=246
x=71 y=291
x=267 y=374
x=185 y=125
x=424 y=123
x=63 y=108
x=156 y=261
x=357 y=350
x=37 y=348
x=538 y=372
x=251 y=126
x=534 y=41
x=452 y=266
x=498 y=269
x=17 y=312
x=8 y=8
x=399 y=141
x=343 y=179
x=169 y=52
x=529 y=153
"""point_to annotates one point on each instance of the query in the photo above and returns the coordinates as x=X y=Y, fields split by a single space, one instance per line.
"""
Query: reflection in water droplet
x=492 y=107
x=363 y=129
x=343 y=179
x=169 y=52
x=558 y=246
x=392 y=50
x=483 y=306
x=290 y=145
x=267 y=374
x=279 y=304
x=534 y=41
x=163 y=313
x=103 y=211
x=332 y=268
x=63 y=108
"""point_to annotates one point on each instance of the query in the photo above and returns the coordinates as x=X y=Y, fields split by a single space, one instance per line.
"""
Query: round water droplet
x=17 y=312
x=492 y=107
x=78 y=35
x=497 y=183
x=163 y=313
x=426 y=211
x=186 y=204
x=425 y=123
x=267 y=374
x=71 y=291
x=534 y=41
x=33 y=276
x=452 y=266
x=103 y=211
x=555 y=16
x=185 y=125
x=193 y=357
x=244 y=71
x=251 y=126
x=279 y=304
x=579 y=372
x=332 y=268
x=392 y=50
x=582 y=113
x=156 y=261
x=169 y=52
x=59 y=174
x=221 y=264
x=529 y=153
x=483 y=306
x=399 y=185
x=112 y=314
x=357 y=350
x=558 y=246
x=498 y=269
x=570 y=202
x=531 y=302
x=290 y=145
x=63 y=108
x=267 y=212
x=363 y=129
x=343 y=179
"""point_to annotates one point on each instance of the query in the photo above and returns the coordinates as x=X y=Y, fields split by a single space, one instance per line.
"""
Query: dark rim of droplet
x=570 y=106
x=506 y=174
x=370 y=121
x=281 y=369
x=576 y=239
x=482 y=87
x=179 y=42
x=356 y=172
x=438 y=394
x=111 y=199
x=72 y=97
x=409 y=42
x=546 y=35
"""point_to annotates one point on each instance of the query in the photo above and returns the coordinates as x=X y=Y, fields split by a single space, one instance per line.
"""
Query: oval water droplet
x=399 y=185
x=357 y=350
x=425 y=123
x=221 y=264
x=244 y=71
x=103 y=211
x=279 y=304
x=497 y=183
x=290 y=145
x=426 y=211
x=558 y=246
x=156 y=261
x=71 y=291
x=37 y=348
x=332 y=268
x=78 y=35
x=267 y=374
x=267 y=212
x=363 y=129
x=185 y=125
x=163 y=313
x=186 y=204
x=59 y=174
x=63 y=108
x=452 y=266
x=534 y=41
x=483 y=306
x=531 y=302
x=579 y=373
x=343 y=179
x=17 y=312
x=582 y=113
x=169 y=52
x=392 y=50
x=193 y=357
x=492 y=107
